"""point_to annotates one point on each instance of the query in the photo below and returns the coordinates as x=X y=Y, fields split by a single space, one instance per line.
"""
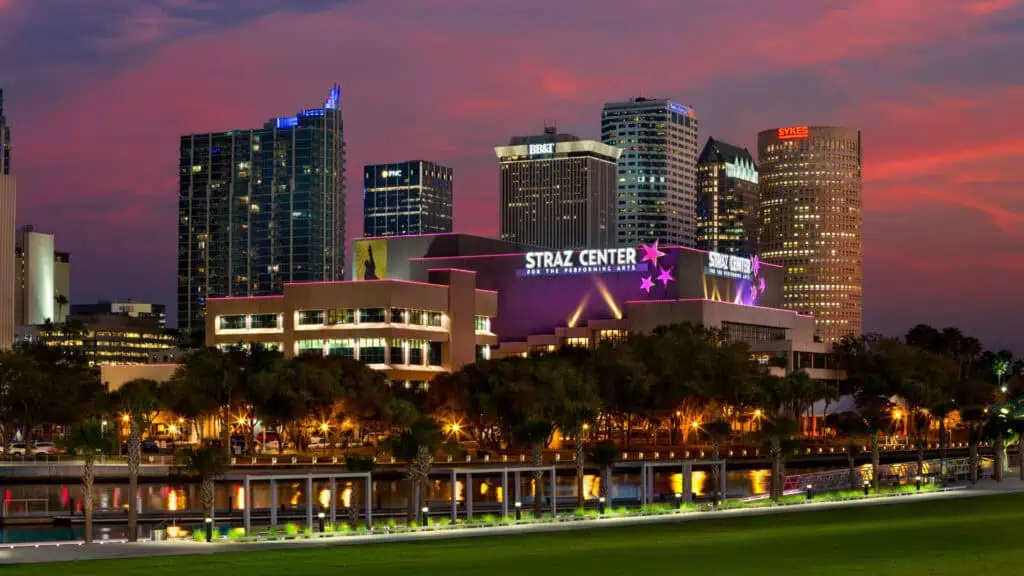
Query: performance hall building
x=415 y=306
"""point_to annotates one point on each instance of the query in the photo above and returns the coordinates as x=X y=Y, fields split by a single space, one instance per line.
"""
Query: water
x=390 y=493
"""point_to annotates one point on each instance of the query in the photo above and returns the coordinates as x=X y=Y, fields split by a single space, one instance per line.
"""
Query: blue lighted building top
x=333 y=102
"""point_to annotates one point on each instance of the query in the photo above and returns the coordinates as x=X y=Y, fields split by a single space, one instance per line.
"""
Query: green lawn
x=967 y=536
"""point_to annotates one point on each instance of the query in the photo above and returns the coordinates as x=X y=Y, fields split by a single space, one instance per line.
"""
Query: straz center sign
x=594 y=261
x=729 y=266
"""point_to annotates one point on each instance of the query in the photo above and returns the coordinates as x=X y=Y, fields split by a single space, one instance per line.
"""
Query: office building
x=657 y=171
x=259 y=208
x=8 y=267
x=42 y=279
x=557 y=191
x=114 y=339
x=726 y=199
x=154 y=313
x=810 y=221
x=5 y=139
x=404 y=198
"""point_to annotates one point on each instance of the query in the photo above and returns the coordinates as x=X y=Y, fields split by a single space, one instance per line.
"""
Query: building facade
x=810 y=221
x=8 y=261
x=5 y=139
x=727 y=199
x=413 y=197
x=114 y=339
x=657 y=171
x=156 y=314
x=547 y=299
x=557 y=191
x=259 y=208
x=42 y=279
x=411 y=331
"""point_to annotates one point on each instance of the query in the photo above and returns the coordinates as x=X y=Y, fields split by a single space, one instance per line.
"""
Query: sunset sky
x=98 y=92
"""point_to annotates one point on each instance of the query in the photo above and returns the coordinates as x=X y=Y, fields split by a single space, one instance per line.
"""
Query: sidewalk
x=73 y=551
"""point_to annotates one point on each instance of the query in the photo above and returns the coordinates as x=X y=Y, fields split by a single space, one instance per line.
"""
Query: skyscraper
x=261 y=207
x=810 y=221
x=726 y=199
x=42 y=279
x=657 y=171
x=557 y=191
x=5 y=139
x=406 y=198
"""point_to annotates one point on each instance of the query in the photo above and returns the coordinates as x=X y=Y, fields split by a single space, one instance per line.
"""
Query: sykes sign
x=794 y=133
x=729 y=266
x=592 y=261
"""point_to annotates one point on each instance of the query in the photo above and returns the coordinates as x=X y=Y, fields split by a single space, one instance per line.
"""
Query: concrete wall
x=115 y=376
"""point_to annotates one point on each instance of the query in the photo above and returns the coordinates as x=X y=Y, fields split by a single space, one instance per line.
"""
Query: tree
x=622 y=382
x=356 y=463
x=575 y=403
x=604 y=455
x=213 y=384
x=416 y=444
x=718 y=431
x=207 y=463
x=928 y=387
x=997 y=429
x=535 y=433
x=138 y=401
x=852 y=428
x=61 y=301
x=86 y=440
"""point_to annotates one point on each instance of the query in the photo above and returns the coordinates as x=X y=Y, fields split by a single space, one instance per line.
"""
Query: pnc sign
x=730 y=266
x=536 y=149
x=794 y=133
x=591 y=261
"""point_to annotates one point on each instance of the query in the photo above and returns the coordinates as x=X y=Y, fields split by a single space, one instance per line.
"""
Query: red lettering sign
x=794 y=132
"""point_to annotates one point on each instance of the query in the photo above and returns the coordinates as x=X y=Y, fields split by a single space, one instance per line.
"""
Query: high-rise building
x=8 y=195
x=810 y=221
x=557 y=191
x=42 y=279
x=657 y=171
x=154 y=313
x=259 y=208
x=726 y=199
x=5 y=139
x=406 y=198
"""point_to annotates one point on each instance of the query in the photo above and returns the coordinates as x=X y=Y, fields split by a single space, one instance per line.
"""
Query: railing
x=901 y=472
x=26 y=507
x=147 y=459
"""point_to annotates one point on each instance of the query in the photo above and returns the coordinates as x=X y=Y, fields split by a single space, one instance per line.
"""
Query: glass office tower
x=261 y=207
x=406 y=198
x=726 y=199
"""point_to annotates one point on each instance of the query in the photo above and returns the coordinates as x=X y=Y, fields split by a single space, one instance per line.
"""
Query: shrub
x=291 y=529
x=199 y=535
x=237 y=532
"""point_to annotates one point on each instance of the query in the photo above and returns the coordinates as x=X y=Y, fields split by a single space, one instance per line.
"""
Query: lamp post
x=320 y=517
x=209 y=529
x=867 y=486
x=679 y=500
x=810 y=491
x=423 y=515
x=600 y=505
x=917 y=482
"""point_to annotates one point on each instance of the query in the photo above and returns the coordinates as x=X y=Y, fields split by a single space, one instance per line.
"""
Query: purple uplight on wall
x=749 y=290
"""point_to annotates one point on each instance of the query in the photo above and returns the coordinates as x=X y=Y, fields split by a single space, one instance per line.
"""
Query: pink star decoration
x=665 y=276
x=646 y=284
x=651 y=253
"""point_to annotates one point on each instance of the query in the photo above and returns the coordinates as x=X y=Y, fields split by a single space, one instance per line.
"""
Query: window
x=483 y=323
x=263 y=321
x=753 y=333
x=434 y=354
x=483 y=352
x=371 y=315
x=417 y=317
x=398 y=316
x=434 y=319
x=311 y=317
x=577 y=342
x=415 y=353
x=344 y=316
x=311 y=347
x=397 y=352
x=232 y=322
x=371 y=350
x=345 y=348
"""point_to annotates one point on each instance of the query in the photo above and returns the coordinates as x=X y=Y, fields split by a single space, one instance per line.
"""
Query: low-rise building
x=410 y=330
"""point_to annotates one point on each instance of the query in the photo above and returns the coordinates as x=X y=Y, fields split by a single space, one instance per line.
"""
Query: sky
x=98 y=93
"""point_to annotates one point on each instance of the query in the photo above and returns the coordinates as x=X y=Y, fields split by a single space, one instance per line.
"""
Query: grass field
x=965 y=536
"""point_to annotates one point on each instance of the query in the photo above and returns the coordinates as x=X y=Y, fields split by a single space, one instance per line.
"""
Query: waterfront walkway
x=73 y=551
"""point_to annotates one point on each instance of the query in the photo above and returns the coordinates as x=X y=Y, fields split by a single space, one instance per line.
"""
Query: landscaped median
x=392 y=526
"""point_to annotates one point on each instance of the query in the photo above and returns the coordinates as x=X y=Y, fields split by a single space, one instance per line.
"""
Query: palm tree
x=416 y=444
x=86 y=440
x=61 y=301
x=852 y=428
x=355 y=463
x=604 y=455
x=138 y=400
x=207 y=463
x=998 y=430
x=535 y=433
x=717 y=431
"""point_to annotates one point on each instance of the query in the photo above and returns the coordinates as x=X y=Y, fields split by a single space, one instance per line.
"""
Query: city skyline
x=937 y=157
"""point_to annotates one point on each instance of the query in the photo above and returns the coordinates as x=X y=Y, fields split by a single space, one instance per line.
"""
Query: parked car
x=19 y=449
x=150 y=447
x=44 y=448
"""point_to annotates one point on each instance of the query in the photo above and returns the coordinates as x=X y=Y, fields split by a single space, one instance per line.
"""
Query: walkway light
x=917 y=482
x=320 y=517
x=679 y=500
x=424 y=511
x=810 y=491
x=600 y=503
x=867 y=485
x=209 y=528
